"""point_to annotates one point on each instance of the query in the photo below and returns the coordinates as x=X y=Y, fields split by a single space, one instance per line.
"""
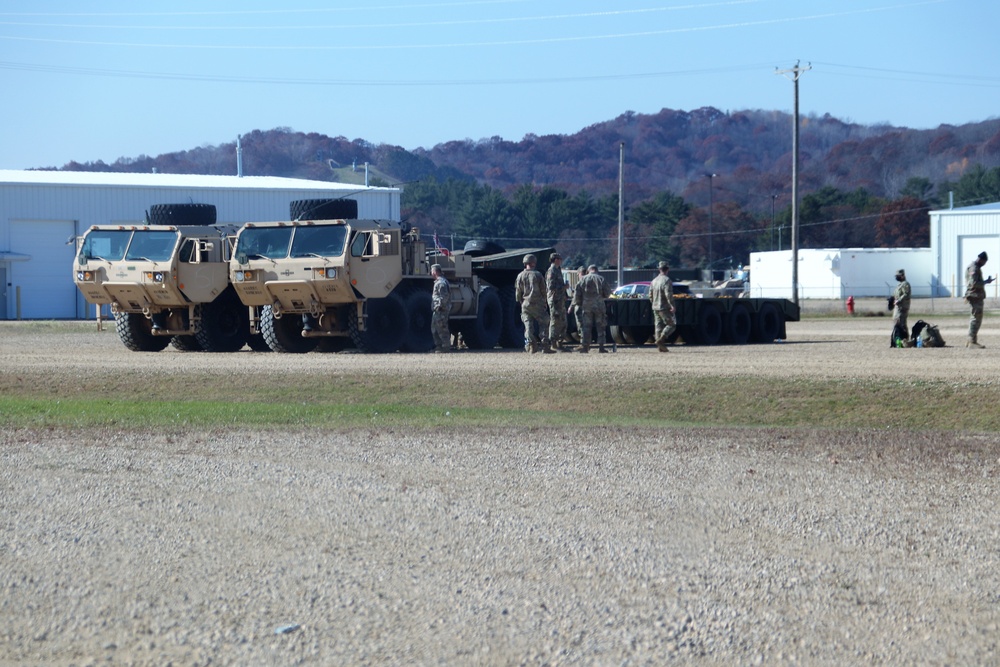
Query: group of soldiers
x=975 y=296
x=544 y=310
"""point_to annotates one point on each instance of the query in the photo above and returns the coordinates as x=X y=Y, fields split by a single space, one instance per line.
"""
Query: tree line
x=665 y=226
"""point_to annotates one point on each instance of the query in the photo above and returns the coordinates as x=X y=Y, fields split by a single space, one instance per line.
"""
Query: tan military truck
x=331 y=283
x=167 y=280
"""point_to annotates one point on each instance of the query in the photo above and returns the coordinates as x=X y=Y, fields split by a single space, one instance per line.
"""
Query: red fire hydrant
x=850 y=305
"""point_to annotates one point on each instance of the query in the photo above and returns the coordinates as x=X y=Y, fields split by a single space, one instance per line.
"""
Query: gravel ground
x=504 y=546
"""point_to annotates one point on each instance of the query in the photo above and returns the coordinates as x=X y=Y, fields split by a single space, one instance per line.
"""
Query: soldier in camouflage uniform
x=441 y=310
x=529 y=291
x=555 y=288
x=577 y=314
x=901 y=302
x=975 y=295
x=661 y=297
x=589 y=295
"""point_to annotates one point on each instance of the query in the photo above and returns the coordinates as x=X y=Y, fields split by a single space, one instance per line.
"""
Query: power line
x=510 y=42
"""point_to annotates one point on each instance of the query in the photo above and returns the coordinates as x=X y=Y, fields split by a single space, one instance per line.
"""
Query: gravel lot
x=526 y=545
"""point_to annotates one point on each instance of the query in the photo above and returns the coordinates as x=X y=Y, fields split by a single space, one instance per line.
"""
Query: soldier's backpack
x=927 y=334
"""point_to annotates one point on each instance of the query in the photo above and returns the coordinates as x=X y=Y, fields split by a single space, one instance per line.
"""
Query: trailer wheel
x=331 y=344
x=257 y=343
x=483 y=333
x=638 y=336
x=709 y=325
x=738 y=327
x=512 y=329
x=767 y=324
x=186 y=343
x=688 y=333
x=284 y=334
x=323 y=209
x=182 y=214
x=418 y=336
x=386 y=326
x=136 y=332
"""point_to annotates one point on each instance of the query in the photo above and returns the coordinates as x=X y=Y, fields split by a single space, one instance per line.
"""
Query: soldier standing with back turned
x=661 y=297
x=555 y=288
x=529 y=291
x=589 y=295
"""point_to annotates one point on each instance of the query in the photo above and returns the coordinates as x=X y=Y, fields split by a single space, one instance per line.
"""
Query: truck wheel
x=386 y=326
x=136 y=332
x=225 y=324
x=483 y=333
x=767 y=324
x=709 y=325
x=186 y=344
x=512 y=329
x=739 y=325
x=284 y=334
x=257 y=343
x=418 y=336
x=182 y=214
x=324 y=209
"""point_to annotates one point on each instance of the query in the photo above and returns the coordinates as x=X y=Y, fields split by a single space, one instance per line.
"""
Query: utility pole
x=621 y=214
x=793 y=75
x=711 y=221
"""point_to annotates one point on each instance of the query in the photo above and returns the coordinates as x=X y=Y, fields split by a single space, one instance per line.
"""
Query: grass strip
x=364 y=400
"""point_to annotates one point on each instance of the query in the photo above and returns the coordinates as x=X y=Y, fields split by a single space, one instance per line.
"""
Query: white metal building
x=957 y=237
x=41 y=212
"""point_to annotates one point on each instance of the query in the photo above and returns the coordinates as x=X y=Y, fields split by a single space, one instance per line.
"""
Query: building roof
x=980 y=208
x=116 y=179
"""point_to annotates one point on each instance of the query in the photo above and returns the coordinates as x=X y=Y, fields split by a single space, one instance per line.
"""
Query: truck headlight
x=84 y=276
x=243 y=276
x=155 y=276
x=331 y=273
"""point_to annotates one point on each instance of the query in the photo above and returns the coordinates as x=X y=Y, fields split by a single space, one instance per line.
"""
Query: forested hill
x=701 y=187
x=750 y=151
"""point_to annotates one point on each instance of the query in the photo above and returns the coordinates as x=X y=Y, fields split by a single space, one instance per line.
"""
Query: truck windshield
x=264 y=242
x=105 y=244
x=325 y=240
x=156 y=246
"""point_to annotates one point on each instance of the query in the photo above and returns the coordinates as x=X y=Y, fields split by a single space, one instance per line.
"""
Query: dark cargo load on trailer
x=710 y=321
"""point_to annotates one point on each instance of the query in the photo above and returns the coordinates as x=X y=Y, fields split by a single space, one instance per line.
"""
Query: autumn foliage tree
x=903 y=223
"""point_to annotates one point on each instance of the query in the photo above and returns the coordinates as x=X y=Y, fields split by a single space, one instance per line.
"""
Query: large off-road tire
x=225 y=323
x=257 y=343
x=483 y=333
x=767 y=324
x=738 y=326
x=480 y=247
x=136 y=332
x=323 y=209
x=418 y=337
x=186 y=343
x=284 y=334
x=182 y=214
x=387 y=324
x=512 y=329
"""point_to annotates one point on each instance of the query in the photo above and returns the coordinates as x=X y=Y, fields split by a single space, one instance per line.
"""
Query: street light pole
x=773 y=197
x=795 y=72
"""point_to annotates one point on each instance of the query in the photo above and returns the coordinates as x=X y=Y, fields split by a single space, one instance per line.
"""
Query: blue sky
x=91 y=81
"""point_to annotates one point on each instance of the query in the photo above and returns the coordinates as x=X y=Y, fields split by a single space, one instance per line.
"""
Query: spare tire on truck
x=323 y=209
x=201 y=215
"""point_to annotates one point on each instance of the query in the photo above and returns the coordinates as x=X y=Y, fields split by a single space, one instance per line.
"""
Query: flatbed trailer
x=705 y=321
